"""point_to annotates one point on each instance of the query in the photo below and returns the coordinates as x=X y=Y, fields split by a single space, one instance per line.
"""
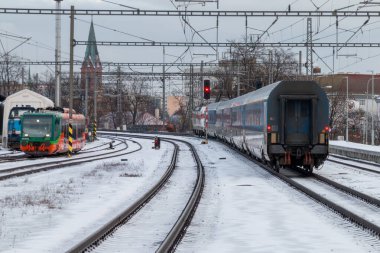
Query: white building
x=22 y=98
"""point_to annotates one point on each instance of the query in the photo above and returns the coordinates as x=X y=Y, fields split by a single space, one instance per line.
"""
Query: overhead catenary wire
x=114 y=30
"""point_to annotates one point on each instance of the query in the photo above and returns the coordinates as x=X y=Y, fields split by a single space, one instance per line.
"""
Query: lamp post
x=372 y=127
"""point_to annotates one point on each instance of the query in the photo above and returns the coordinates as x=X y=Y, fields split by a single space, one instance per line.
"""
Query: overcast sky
x=166 y=29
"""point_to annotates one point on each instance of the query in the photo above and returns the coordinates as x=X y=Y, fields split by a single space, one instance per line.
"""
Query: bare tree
x=10 y=73
x=255 y=66
x=136 y=98
x=182 y=121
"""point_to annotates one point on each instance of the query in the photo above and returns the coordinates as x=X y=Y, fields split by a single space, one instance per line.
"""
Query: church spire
x=91 y=50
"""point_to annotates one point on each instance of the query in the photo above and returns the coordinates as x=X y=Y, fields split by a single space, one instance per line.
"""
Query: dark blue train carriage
x=285 y=123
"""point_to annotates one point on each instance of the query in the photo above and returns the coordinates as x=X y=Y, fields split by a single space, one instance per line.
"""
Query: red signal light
x=206 y=89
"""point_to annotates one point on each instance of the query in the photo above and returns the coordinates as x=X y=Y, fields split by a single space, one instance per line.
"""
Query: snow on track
x=245 y=209
x=52 y=211
x=149 y=227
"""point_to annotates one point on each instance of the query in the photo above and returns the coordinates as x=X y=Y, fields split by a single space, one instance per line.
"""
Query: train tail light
x=324 y=136
x=269 y=128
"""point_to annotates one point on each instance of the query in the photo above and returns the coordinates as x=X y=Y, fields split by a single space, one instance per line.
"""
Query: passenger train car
x=14 y=125
x=284 y=124
x=45 y=132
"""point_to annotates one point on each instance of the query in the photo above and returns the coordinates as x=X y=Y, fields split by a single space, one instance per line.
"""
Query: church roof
x=91 y=50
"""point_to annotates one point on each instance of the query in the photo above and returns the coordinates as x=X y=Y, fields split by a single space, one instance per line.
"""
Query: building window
x=362 y=102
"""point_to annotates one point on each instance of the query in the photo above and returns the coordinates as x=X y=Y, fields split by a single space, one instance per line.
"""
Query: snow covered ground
x=243 y=209
x=51 y=211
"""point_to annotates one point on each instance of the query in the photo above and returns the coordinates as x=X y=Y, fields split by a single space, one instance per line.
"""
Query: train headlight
x=26 y=135
x=47 y=135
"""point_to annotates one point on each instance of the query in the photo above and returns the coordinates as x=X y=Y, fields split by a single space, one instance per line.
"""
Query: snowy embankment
x=51 y=211
x=243 y=209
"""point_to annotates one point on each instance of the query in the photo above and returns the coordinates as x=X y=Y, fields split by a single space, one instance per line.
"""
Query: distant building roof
x=357 y=83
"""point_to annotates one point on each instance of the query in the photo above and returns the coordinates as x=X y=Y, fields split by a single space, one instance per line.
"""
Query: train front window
x=37 y=126
x=17 y=112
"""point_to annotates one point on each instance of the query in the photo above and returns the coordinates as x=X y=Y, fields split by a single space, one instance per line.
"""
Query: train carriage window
x=254 y=116
x=212 y=117
x=64 y=128
x=57 y=128
x=237 y=116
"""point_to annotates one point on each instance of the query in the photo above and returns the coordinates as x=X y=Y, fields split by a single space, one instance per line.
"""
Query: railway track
x=359 y=167
x=367 y=204
x=178 y=229
x=358 y=216
x=34 y=168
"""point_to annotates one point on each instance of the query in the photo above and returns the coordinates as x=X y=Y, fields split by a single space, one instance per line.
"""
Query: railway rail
x=359 y=167
x=178 y=230
x=34 y=168
x=373 y=227
x=367 y=225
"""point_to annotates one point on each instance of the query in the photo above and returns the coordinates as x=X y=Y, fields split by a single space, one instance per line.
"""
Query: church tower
x=92 y=71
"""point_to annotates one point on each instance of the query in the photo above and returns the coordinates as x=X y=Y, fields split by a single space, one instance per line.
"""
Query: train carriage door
x=297 y=121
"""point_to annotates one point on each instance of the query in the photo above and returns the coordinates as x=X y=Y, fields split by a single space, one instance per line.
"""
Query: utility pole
x=217 y=38
x=347 y=108
x=300 y=64
x=95 y=92
x=201 y=85
x=270 y=67
x=191 y=97
x=238 y=73
x=119 y=96
x=372 y=124
x=309 y=49
x=58 y=54
x=191 y=88
x=86 y=96
x=71 y=81
x=163 y=87
x=71 y=62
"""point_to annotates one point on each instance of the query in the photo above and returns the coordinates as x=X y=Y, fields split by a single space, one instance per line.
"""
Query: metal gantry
x=159 y=74
x=309 y=49
x=226 y=44
x=176 y=13
x=117 y=64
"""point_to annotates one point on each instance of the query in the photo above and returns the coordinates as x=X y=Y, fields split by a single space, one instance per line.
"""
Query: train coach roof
x=265 y=92
x=251 y=97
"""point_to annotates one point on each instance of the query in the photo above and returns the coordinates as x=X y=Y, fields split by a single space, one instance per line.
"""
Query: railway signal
x=206 y=89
